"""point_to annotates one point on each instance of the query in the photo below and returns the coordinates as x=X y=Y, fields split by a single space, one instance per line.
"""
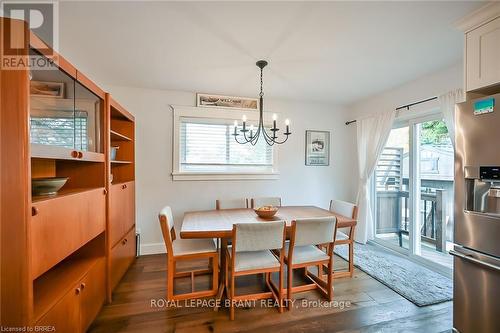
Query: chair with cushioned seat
x=302 y=252
x=251 y=253
x=187 y=249
x=265 y=201
x=229 y=204
x=345 y=236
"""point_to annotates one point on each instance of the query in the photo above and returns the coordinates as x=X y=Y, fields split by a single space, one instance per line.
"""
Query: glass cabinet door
x=88 y=120
x=52 y=109
x=63 y=112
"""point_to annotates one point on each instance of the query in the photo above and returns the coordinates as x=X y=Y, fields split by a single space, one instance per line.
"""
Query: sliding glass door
x=413 y=191
x=435 y=159
x=392 y=218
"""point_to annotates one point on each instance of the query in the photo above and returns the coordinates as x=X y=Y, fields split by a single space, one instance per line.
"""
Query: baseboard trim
x=152 y=248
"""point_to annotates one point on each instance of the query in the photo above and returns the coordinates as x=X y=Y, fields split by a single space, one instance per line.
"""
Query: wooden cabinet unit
x=121 y=198
x=56 y=250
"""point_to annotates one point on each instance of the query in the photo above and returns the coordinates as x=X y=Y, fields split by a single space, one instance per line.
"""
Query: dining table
x=219 y=224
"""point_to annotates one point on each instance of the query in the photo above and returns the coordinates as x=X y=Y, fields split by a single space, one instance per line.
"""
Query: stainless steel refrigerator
x=476 y=275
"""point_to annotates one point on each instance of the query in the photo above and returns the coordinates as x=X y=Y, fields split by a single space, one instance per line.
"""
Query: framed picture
x=317 y=148
x=47 y=89
x=218 y=101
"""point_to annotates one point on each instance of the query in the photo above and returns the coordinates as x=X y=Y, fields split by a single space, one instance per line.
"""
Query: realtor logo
x=41 y=17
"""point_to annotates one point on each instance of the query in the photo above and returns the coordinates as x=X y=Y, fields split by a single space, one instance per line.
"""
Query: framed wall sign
x=317 y=148
x=218 y=101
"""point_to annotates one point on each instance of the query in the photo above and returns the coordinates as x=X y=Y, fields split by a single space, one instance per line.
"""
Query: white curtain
x=447 y=104
x=372 y=133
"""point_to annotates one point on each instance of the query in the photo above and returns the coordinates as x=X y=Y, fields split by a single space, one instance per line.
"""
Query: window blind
x=208 y=146
x=65 y=132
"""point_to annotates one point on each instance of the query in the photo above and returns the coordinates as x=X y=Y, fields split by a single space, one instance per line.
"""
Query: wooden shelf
x=115 y=136
x=63 y=192
x=121 y=162
x=62 y=153
x=53 y=285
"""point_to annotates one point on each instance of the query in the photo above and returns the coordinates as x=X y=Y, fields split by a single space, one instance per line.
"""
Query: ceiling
x=334 y=52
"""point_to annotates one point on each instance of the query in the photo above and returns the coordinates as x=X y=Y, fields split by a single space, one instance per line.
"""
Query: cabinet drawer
x=122 y=256
x=93 y=293
x=121 y=210
x=62 y=225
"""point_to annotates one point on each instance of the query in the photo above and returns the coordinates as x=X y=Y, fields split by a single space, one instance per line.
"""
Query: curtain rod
x=407 y=106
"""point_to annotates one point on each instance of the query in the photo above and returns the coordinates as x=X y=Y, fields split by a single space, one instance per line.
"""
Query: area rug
x=414 y=282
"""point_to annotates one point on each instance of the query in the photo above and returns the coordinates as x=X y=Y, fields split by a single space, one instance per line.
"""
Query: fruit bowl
x=266 y=212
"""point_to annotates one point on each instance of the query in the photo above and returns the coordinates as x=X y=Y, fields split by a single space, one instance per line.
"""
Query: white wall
x=432 y=85
x=297 y=185
x=422 y=88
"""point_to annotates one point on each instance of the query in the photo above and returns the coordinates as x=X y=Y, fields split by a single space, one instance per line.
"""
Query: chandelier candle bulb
x=235 y=128
x=244 y=123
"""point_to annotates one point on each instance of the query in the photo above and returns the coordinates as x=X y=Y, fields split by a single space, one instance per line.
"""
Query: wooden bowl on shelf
x=266 y=212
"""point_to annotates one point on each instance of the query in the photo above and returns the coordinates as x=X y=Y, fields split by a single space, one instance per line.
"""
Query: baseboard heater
x=137 y=245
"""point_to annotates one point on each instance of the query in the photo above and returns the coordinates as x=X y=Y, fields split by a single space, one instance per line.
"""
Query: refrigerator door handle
x=474 y=260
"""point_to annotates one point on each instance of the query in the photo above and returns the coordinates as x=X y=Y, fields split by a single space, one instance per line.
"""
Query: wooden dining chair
x=187 y=249
x=302 y=251
x=345 y=236
x=251 y=253
x=231 y=203
x=265 y=201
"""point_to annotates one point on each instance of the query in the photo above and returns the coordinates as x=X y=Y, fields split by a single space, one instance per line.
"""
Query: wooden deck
x=364 y=304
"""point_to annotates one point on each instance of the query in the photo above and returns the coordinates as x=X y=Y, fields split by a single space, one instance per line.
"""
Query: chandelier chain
x=261 y=84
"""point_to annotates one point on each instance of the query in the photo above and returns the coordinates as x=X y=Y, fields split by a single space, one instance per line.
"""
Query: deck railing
x=393 y=201
x=393 y=215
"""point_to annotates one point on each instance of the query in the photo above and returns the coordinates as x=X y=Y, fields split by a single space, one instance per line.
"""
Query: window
x=206 y=149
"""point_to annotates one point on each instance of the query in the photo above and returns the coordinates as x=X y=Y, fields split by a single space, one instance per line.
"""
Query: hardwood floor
x=361 y=304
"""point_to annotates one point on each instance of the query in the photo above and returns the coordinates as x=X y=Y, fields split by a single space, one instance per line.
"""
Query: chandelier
x=253 y=135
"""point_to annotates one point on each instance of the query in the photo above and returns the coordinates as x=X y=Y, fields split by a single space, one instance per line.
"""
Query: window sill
x=224 y=176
